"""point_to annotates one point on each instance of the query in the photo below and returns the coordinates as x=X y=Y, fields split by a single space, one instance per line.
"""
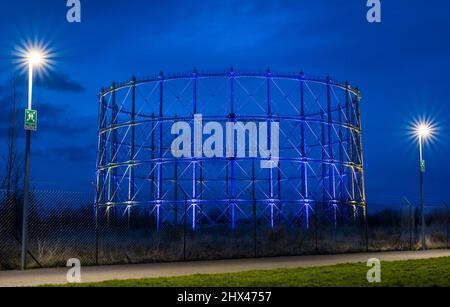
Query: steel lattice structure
x=321 y=158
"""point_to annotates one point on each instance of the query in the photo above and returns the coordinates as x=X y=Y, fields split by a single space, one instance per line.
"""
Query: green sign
x=422 y=166
x=31 y=120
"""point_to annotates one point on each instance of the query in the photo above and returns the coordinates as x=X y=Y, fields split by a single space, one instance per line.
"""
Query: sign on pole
x=31 y=120
x=422 y=166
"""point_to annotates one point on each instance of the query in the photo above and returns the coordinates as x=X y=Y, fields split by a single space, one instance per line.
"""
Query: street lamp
x=423 y=131
x=34 y=59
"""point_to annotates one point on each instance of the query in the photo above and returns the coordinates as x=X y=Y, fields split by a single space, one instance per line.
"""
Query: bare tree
x=13 y=164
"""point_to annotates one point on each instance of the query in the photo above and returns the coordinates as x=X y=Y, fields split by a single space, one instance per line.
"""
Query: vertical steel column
x=330 y=146
x=269 y=146
x=354 y=153
x=131 y=177
x=195 y=112
x=100 y=151
x=362 y=199
x=232 y=159
x=341 y=157
x=103 y=148
x=152 y=155
x=100 y=173
x=280 y=205
x=304 y=167
x=194 y=163
x=113 y=153
x=324 y=166
x=175 y=186
x=194 y=195
x=350 y=128
x=160 y=150
x=362 y=202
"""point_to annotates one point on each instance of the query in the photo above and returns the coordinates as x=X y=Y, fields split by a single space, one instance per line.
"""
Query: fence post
x=411 y=221
x=316 y=227
x=366 y=221
x=26 y=203
x=184 y=230
x=411 y=214
x=97 y=232
x=447 y=222
x=255 y=219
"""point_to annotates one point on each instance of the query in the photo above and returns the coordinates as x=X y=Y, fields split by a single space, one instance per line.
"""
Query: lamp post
x=423 y=131
x=34 y=59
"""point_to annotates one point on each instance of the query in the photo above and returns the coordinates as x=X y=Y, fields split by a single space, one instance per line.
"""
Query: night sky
x=401 y=66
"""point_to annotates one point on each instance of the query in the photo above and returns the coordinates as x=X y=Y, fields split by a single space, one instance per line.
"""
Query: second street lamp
x=423 y=132
x=34 y=59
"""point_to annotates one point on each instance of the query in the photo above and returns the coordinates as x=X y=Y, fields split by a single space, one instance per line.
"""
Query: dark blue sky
x=401 y=66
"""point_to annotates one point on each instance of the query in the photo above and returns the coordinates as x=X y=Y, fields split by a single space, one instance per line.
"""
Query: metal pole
x=26 y=189
x=232 y=158
x=184 y=228
x=360 y=150
x=269 y=146
x=26 y=200
x=303 y=140
x=113 y=156
x=448 y=223
x=324 y=170
x=330 y=145
x=361 y=168
x=152 y=155
x=160 y=151
x=131 y=179
x=197 y=154
x=100 y=174
x=422 y=203
x=341 y=157
x=349 y=170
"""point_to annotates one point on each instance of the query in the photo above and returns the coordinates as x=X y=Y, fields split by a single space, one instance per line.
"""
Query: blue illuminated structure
x=321 y=159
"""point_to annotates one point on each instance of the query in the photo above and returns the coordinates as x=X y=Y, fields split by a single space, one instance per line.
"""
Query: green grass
x=413 y=273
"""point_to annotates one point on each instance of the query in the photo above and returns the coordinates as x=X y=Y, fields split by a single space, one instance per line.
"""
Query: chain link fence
x=400 y=229
x=64 y=225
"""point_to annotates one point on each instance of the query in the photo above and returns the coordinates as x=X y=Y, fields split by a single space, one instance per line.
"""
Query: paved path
x=103 y=273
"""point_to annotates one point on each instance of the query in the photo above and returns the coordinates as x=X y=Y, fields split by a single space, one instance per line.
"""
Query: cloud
x=65 y=127
x=71 y=153
x=6 y=116
x=51 y=80
x=54 y=119
x=61 y=119
x=59 y=82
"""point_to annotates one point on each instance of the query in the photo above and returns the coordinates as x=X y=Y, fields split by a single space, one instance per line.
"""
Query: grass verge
x=413 y=273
